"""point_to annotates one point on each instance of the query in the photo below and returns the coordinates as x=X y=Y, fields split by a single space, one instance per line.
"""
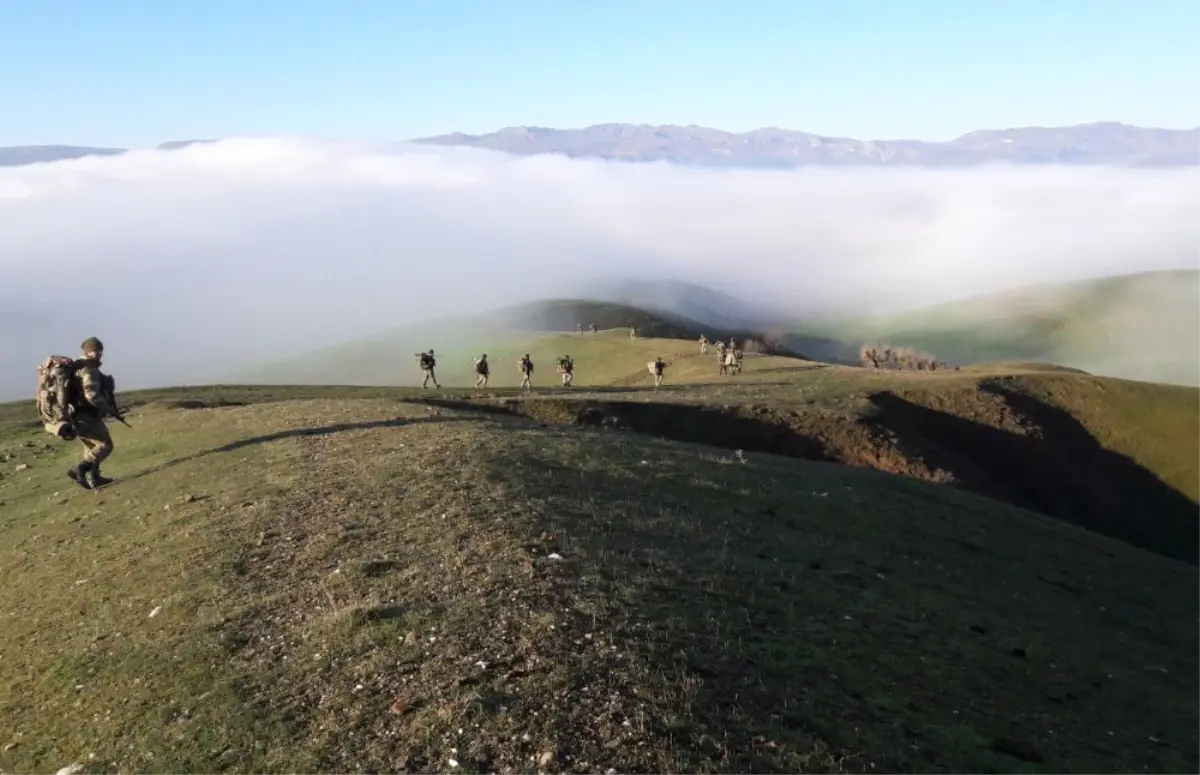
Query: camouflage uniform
x=526 y=366
x=482 y=371
x=632 y=332
x=428 y=363
x=93 y=405
x=566 y=367
x=703 y=344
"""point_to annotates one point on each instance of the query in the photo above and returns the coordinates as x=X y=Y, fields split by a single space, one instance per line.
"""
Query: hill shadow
x=291 y=433
x=1057 y=469
x=689 y=423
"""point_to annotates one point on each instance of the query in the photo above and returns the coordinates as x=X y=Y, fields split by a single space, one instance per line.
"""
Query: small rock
x=452 y=762
x=189 y=498
x=546 y=759
x=978 y=629
x=154 y=613
x=1019 y=653
x=21 y=467
x=71 y=770
x=11 y=746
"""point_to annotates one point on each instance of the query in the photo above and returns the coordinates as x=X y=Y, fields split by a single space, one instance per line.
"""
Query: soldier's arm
x=93 y=389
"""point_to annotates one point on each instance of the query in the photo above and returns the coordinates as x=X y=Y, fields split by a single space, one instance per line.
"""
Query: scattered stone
x=546 y=759
x=1019 y=653
x=21 y=467
x=154 y=613
x=70 y=770
x=189 y=498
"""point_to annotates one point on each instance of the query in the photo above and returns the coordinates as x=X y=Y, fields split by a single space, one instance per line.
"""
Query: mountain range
x=773 y=148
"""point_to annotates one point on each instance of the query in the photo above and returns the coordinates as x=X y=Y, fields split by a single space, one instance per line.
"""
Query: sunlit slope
x=546 y=329
x=1143 y=326
x=609 y=357
x=333 y=583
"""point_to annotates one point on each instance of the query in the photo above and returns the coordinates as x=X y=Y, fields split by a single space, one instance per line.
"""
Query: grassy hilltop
x=801 y=568
x=546 y=330
x=1142 y=326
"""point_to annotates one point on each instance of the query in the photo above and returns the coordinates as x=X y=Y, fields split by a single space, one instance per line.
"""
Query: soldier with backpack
x=566 y=367
x=526 y=366
x=72 y=400
x=657 y=367
x=482 y=370
x=427 y=365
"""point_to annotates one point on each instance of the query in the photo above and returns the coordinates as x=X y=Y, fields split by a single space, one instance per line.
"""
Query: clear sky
x=128 y=73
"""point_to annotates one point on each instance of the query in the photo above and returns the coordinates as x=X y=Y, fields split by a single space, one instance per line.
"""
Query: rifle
x=110 y=390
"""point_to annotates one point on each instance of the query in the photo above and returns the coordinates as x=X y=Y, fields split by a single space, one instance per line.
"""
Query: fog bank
x=191 y=262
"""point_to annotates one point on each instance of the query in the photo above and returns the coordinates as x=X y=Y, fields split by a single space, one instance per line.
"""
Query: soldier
x=579 y=327
x=526 y=366
x=566 y=367
x=731 y=345
x=592 y=328
x=481 y=369
x=657 y=367
x=632 y=332
x=703 y=344
x=427 y=365
x=93 y=402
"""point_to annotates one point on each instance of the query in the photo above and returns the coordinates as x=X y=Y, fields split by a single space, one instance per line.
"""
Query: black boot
x=79 y=474
x=96 y=479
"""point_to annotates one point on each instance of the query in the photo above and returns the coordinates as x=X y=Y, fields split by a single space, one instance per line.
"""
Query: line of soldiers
x=483 y=370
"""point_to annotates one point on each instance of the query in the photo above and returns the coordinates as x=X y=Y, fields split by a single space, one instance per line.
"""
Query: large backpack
x=481 y=367
x=426 y=361
x=56 y=397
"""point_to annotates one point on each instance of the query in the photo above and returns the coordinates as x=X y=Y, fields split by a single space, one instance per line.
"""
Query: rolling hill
x=1142 y=326
x=721 y=575
x=545 y=329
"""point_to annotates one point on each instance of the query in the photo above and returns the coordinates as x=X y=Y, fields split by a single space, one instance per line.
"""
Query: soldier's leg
x=97 y=446
x=425 y=382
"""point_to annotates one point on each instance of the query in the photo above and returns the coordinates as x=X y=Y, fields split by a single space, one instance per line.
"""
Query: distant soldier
x=592 y=328
x=722 y=359
x=703 y=344
x=566 y=367
x=579 y=328
x=428 y=362
x=731 y=344
x=76 y=396
x=481 y=371
x=526 y=366
x=732 y=361
x=632 y=332
x=657 y=367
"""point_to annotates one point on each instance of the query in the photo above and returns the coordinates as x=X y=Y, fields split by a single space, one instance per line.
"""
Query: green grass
x=343 y=579
x=1143 y=326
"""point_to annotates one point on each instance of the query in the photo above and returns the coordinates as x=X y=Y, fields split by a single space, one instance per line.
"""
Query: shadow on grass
x=291 y=433
x=689 y=423
x=1059 y=470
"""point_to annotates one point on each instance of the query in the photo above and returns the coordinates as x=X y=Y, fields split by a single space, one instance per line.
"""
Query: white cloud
x=190 y=261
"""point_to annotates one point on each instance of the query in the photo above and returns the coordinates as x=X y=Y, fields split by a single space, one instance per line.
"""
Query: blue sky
x=125 y=73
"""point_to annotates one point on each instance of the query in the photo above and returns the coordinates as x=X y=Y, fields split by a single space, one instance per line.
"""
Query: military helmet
x=92 y=345
x=431 y=351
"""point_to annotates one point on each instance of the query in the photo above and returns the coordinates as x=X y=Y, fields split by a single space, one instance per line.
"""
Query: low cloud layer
x=192 y=262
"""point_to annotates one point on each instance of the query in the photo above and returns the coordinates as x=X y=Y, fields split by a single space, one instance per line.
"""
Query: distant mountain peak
x=1102 y=142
